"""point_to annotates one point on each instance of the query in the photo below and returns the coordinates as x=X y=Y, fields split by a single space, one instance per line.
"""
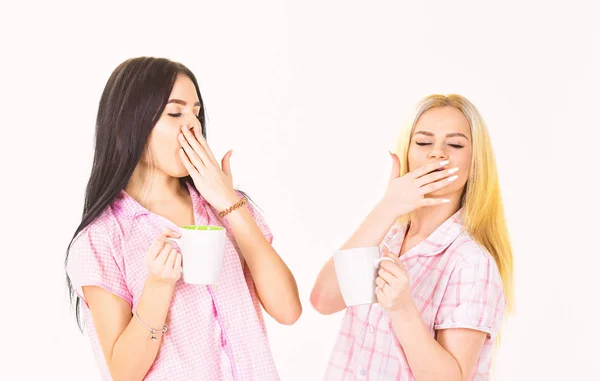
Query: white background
x=310 y=95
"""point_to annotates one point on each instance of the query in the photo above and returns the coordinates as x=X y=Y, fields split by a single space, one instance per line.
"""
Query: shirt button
x=371 y=329
x=363 y=372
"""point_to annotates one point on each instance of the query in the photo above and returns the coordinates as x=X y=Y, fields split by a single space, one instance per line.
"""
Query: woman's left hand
x=393 y=284
x=213 y=181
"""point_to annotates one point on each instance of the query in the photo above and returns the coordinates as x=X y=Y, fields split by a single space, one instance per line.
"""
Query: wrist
x=157 y=284
x=229 y=199
x=405 y=312
x=385 y=210
x=235 y=204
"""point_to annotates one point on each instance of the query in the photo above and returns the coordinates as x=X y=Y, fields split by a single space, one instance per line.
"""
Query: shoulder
x=100 y=236
x=466 y=249
x=471 y=260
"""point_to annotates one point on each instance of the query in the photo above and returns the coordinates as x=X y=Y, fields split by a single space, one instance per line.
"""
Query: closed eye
x=458 y=146
x=179 y=114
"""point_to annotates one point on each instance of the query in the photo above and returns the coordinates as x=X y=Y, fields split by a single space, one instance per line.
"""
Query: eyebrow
x=453 y=134
x=183 y=103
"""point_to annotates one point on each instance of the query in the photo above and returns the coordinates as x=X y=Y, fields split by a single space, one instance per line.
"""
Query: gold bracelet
x=239 y=204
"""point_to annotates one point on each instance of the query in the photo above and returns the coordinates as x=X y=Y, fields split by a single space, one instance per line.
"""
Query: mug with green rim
x=202 y=249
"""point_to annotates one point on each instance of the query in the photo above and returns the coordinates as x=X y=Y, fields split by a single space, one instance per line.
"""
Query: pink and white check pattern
x=215 y=332
x=455 y=284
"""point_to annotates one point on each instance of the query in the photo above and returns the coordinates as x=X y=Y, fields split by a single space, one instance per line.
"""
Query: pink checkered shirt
x=455 y=284
x=215 y=332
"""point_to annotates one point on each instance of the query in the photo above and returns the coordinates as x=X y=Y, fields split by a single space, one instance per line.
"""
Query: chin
x=446 y=193
x=177 y=172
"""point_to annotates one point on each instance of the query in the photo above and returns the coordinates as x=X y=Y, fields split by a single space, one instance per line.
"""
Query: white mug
x=202 y=249
x=356 y=271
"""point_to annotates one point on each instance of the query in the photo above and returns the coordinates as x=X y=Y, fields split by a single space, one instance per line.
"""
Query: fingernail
x=444 y=162
x=185 y=127
x=452 y=178
x=452 y=170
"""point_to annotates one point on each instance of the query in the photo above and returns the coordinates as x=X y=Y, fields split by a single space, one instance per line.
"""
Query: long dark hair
x=131 y=104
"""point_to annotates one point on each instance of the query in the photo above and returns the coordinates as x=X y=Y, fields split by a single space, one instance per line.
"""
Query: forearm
x=274 y=282
x=134 y=352
x=326 y=296
x=373 y=229
x=428 y=360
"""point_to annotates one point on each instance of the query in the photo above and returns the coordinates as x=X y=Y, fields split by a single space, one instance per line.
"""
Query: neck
x=151 y=186
x=424 y=221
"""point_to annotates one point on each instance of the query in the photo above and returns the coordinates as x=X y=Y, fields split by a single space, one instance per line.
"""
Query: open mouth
x=437 y=170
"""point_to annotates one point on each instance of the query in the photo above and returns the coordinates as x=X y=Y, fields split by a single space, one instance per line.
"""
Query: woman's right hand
x=407 y=193
x=162 y=260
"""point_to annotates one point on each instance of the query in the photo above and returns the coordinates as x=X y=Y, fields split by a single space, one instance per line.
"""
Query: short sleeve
x=474 y=297
x=260 y=221
x=92 y=263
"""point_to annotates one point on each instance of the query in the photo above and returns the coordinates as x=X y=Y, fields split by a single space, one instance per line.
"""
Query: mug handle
x=174 y=240
x=378 y=261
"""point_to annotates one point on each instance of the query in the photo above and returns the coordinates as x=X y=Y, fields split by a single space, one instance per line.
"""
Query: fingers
x=192 y=170
x=425 y=169
x=226 y=163
x=162 y=257
x=380 y=292
x=386 y=275
x=159 y=243
x=380 y=282
x=200 y=147
x=395 y=166
x=156 y=247
x=392 y=268
x=194 y=152
x=197 y=133
x=435 y=176
x=178 y=263
x=429 y=201
x=430 y=188
x=171 y=233
x=170 y=262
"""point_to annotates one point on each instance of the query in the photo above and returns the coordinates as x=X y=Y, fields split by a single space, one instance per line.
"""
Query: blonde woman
x=442 y=299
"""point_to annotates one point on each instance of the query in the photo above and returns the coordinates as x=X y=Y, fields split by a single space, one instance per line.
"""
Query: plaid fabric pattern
x=215 y=332
x=455 y=284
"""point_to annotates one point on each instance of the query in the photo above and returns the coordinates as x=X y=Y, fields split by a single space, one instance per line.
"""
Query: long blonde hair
x=483 y=213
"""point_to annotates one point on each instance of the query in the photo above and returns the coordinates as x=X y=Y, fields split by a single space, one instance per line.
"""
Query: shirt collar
x=126 y=205
x=442 y=237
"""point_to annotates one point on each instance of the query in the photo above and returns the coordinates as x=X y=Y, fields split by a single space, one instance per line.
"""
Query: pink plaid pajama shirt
x=214 y=332
x=455 y=284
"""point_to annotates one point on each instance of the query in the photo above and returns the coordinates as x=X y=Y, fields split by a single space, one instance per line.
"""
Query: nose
x=438 y=152
x=191 y=121
x=194 y=125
